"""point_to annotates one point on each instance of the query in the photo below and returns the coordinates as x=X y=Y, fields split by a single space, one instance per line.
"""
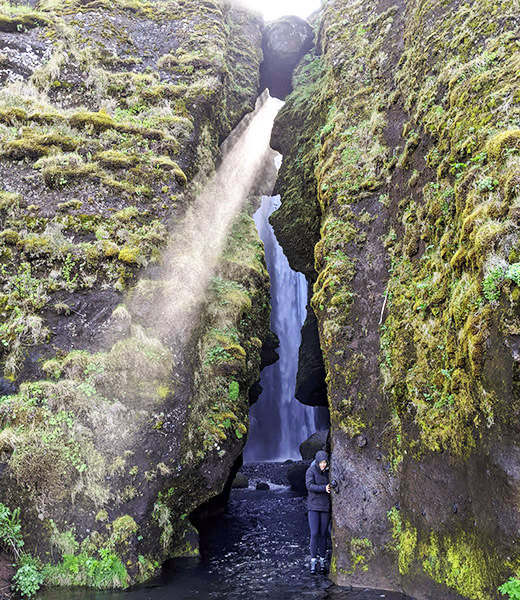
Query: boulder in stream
x=296 y=476
x=316 y=442
x=240 y=482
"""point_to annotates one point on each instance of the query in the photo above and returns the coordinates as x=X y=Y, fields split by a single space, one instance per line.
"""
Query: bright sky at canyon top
x=272 y=9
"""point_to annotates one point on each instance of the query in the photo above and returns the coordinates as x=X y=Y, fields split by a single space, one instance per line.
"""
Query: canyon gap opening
x=279 y=423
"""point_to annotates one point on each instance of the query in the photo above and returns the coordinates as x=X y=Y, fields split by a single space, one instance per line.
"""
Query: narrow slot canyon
x=279 y=423
x=234 y=239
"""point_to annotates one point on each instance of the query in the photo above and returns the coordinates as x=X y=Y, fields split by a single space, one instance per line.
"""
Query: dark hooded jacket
x=316 y=482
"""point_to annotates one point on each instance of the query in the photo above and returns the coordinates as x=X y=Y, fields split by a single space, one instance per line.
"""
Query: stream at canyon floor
x=257 y=549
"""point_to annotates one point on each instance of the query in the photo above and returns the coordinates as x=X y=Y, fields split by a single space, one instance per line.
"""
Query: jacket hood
x=321 y=455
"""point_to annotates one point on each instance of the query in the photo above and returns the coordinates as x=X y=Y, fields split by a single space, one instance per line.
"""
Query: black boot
x=323 y=566
x=314 y=562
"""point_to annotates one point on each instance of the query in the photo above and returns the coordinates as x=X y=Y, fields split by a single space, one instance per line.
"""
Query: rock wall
x=400 y=187
x=112 y=429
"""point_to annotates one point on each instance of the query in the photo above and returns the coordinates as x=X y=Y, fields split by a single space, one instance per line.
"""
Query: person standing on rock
x=318 y=505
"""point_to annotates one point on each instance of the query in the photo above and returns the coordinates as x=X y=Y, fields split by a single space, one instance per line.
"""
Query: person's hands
x=328 y=488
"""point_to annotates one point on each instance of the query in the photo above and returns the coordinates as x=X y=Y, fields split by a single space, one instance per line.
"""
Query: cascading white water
x=278 y=422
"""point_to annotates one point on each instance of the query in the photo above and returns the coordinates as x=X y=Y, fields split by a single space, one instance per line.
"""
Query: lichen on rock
x=405 y=154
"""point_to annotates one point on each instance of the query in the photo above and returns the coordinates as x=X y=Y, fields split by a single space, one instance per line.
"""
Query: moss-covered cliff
x=114 y=423
x=401 y=145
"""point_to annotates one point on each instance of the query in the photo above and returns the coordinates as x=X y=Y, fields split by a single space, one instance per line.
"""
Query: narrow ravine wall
x=126 y=391
x=399 y=191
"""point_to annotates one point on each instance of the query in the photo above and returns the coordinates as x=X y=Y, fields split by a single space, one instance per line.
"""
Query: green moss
x=460 y=563
x=9 y=236
x=21 y=23
x=458 y=560
x=297 y=222
x=129 y=254
x=57 y=176
x=127 y=214
x=148 y=567
x=98 y=122
x=37 y=245
x=114 y=159
x=352 y=425
x=180 y=176
x=30 y=148
x=13 y=115
x=110 y=249
x=361 y=552
x=503 y=145
x=122 y=529
x=9 y=201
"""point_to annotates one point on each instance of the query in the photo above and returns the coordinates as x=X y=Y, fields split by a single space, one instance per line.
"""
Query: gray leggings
x=319 y=526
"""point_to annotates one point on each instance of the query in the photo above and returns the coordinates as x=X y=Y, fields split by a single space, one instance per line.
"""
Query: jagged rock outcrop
x=311 y=388
x=284 y=43
x=401 y=147
x=118 y=420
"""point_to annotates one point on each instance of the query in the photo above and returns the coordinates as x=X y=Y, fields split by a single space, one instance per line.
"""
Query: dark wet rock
x=269 y=355
x=317 y=441
x=6 y=387
x=240 y=481
x=285 y=41
x=297 y=222
x=263 y=486
x=310 y=380
x=6 y=575
x=122 y=372
x=296 y=477
x=274 y=473
x=362 y=441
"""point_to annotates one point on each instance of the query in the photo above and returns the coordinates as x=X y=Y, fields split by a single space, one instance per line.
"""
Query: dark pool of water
x=256 y=550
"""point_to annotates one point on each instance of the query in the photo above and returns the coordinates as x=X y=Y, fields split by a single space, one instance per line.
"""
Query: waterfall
x=278 y=422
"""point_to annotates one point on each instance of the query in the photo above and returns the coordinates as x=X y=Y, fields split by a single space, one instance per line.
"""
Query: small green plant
x=217 y=354
x=457 y=169
x=103 y=571
x=487 y=184
x=10 y=530
x=491 y=284
x=66 y=270
x=511 y=587
x=28 y=578
x=234 y=391
x=513 y=273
